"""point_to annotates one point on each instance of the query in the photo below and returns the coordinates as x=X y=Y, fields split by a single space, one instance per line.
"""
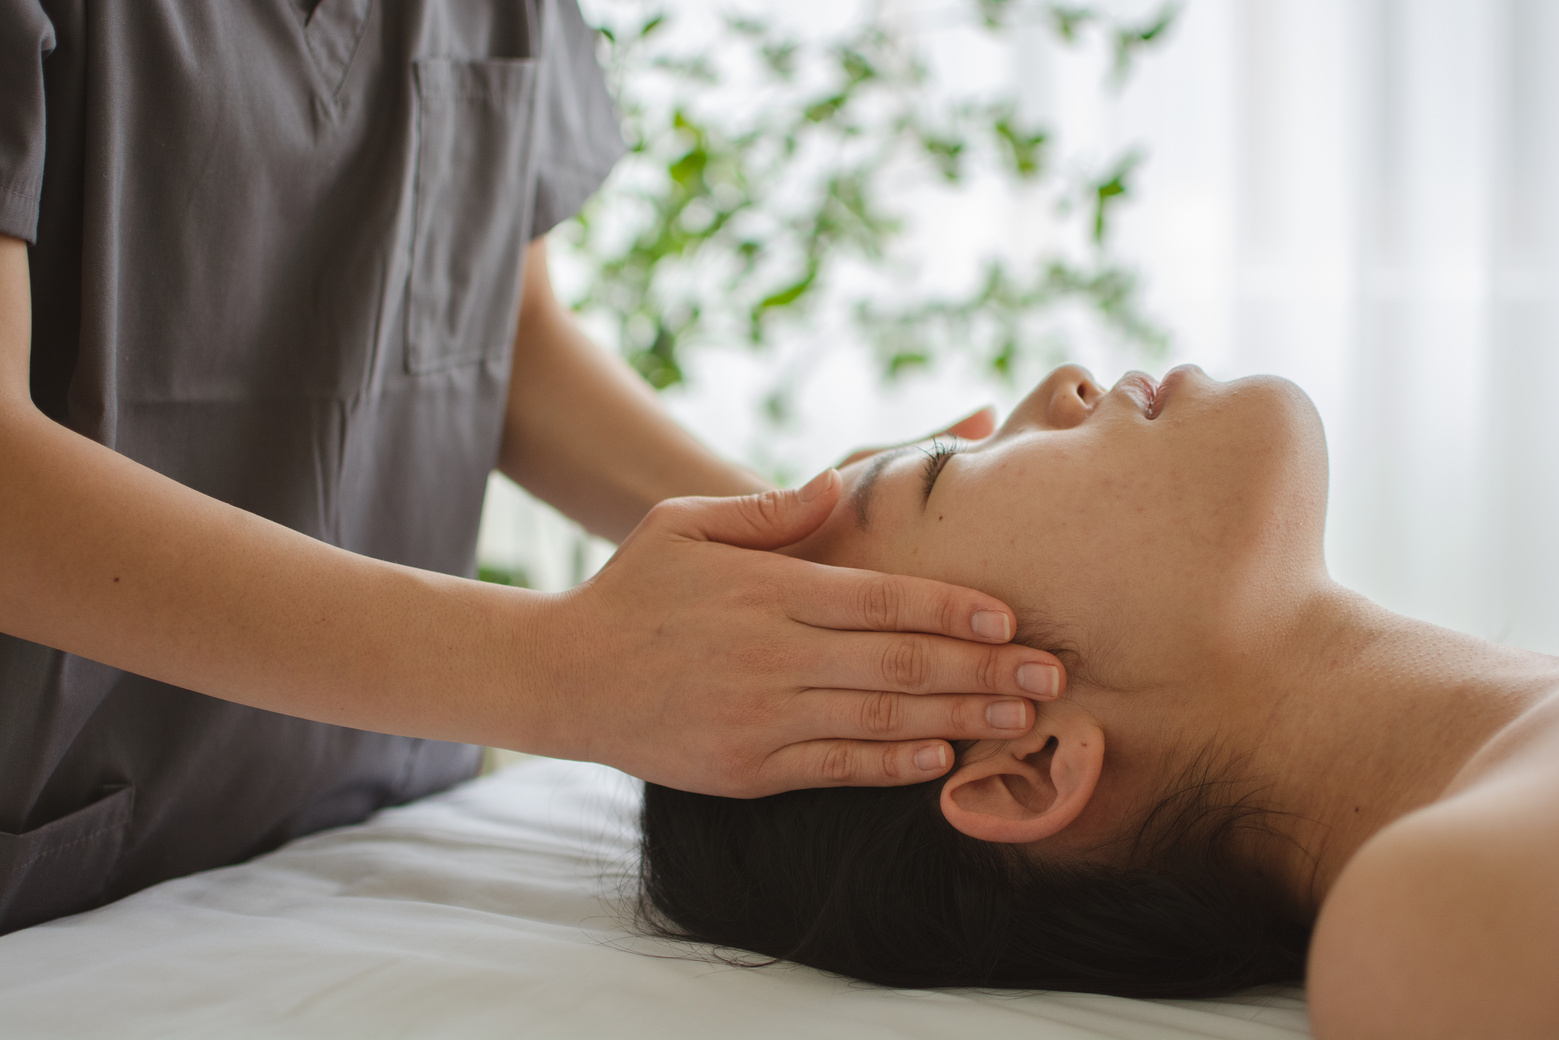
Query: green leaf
x=1130 y=39
x=1069 y=21
x=945 y=153
x=826 y=109
x=995 y=14
x=1025 y=148
x=788 y=296
x=777 y=406
x=1110 y=189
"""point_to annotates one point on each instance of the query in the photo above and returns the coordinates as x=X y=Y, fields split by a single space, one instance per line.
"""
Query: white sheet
x=488 y=912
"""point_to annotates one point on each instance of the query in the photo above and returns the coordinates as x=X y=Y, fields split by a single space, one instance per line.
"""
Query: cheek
x=1008 y=552
x=1060 y=510
x=1062 y=534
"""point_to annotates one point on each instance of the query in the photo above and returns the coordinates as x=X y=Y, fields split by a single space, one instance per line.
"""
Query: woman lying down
x=1255 y=775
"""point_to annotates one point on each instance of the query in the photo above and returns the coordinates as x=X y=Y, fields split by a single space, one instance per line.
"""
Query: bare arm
x=584 y=432
x=105 y=558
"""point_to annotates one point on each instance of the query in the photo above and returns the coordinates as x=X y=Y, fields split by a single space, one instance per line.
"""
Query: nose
x=1066 y=398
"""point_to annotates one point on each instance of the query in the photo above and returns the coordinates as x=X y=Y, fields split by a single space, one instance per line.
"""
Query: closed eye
x=936 y=457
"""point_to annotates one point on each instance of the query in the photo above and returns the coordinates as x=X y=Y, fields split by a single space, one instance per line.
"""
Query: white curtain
x=1357 y=194
x=1361 y=195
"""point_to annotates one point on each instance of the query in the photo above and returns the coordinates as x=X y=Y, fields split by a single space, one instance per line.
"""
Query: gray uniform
x=276 y=257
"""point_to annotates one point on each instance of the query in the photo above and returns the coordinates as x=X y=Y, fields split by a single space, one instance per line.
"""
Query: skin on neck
x=1346 y=719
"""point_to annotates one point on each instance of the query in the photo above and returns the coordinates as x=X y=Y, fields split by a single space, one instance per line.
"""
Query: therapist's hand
x=693 y=661
x=975 y=427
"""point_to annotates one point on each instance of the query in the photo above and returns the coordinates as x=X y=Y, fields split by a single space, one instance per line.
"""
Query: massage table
x=501 y=908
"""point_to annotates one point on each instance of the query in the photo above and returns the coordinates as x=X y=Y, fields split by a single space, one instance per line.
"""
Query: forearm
x=585 y=434
x=107 y=559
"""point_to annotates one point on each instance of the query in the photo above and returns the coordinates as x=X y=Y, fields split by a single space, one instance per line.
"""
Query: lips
x=1142 y=389
x=1173 y=379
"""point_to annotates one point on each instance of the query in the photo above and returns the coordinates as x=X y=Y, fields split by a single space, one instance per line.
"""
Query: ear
x=1031 y=788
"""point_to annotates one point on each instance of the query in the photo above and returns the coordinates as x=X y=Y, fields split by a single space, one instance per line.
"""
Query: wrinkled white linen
x=491 y=911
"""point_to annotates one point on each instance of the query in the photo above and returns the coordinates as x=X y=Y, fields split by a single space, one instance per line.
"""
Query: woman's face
x=1132 y=529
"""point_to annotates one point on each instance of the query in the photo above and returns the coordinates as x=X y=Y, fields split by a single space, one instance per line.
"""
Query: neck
x=1353 y=718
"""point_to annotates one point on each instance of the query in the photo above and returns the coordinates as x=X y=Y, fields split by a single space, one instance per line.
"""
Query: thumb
x=765 y=521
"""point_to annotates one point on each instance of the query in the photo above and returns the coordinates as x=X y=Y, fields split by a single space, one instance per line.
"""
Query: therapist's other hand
x=693 y=661
x=975 y=427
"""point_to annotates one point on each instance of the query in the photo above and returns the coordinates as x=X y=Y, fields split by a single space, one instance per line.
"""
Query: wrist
x=534 y=674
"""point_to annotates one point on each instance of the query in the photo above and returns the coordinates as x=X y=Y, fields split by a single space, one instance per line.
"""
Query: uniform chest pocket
x=472 y=208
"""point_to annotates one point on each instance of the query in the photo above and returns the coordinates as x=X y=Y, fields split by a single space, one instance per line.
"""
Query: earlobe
x=1031 y=788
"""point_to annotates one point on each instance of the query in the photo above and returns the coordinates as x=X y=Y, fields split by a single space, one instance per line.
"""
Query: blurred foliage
x=764 y=173
x=499 y=575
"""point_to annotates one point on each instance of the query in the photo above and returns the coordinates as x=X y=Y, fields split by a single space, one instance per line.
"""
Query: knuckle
x=904 y=664
x=838 y=764
x=948 y=614
x=667 y=513
x=988 y=670
x=891 y=763
x=965 y=715
x=880 y=604
x=880 y=714
x=761 y=510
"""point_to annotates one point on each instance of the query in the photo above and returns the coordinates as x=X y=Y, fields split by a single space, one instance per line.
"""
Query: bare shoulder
x=1446 y=923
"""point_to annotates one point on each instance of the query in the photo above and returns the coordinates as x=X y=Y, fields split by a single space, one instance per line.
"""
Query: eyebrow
x=860 y=495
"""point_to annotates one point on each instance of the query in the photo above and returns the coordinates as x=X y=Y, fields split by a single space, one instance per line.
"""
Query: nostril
x=1081 y=401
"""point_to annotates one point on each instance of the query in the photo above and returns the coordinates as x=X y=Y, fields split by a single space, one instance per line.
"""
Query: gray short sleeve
x=277 y=258
x=26 y=37
x=578 y=138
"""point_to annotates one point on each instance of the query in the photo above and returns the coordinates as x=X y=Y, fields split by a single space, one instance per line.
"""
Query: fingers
x=922 y=664
x=976 y=427
x=765 y=521
x=880 y=716
x=926 y=664
x=854 y=763
x=949 y=658
x=844 y=598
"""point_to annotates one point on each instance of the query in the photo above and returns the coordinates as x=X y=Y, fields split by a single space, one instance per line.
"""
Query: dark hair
x=874 y=883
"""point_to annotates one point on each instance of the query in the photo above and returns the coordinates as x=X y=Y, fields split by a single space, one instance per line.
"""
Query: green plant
x=764 y=178
x=500 y=575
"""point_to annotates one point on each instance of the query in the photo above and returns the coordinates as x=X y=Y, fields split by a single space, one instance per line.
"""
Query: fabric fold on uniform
x=231 y=287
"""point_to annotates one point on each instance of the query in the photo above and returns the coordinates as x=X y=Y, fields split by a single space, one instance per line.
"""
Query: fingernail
x=1008 y=714
x=1039 y=679
x=931 y=759
x=991 y=624
x=817 y=485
